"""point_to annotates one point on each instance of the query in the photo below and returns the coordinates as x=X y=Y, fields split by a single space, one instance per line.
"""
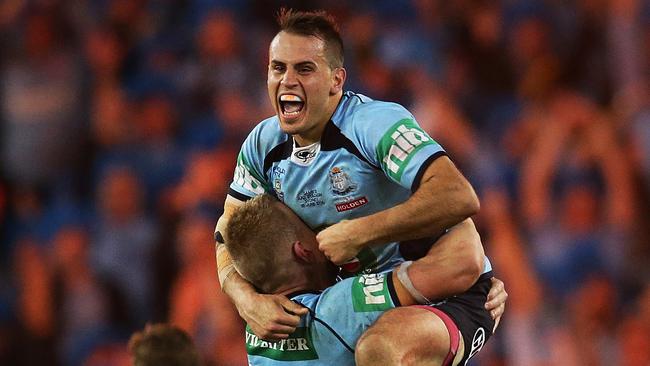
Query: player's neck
x=312 y=281
x=300 y=286
x=310 y=137
x=315 y=134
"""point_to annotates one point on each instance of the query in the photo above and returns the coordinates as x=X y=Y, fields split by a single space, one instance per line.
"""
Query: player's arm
x=270 y=317
x=433 y=276
x=436 y=275
x=443 y=199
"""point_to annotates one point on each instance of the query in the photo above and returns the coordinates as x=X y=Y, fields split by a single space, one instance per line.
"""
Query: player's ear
x=301 y=253
x=338 y=77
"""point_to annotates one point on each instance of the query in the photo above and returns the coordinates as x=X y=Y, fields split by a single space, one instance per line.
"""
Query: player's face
x=303 y=88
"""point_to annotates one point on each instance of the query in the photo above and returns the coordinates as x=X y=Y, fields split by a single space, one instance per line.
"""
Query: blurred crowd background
x=121 y=120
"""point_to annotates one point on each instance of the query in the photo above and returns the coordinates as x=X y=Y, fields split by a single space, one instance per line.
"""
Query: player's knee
x=425 y=341
x=375 y=348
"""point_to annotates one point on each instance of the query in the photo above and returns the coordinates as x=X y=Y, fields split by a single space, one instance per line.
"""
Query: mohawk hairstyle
x=319 y=24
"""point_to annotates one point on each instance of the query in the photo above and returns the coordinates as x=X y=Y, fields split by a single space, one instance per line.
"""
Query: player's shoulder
x=360 y=111
x=332 y=301
x=266 y=135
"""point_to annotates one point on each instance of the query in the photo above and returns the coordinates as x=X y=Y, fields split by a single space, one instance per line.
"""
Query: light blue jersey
x=370 y=158
x=337 y=318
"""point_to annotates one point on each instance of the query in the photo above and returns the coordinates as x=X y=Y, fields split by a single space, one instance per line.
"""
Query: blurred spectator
x=158 y=157
x=161 y=344
x=584 y=225
x=124 y=240
x=41 y=88
x=521 y=329
x=86 y=310
x=33 y=338
x=197 y=304
x=110 y=120
x=634 y=332
x=218 y=63
x=105 y=53
x=205 y=182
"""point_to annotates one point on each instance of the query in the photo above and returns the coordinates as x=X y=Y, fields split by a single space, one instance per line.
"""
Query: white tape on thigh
x=403 y=277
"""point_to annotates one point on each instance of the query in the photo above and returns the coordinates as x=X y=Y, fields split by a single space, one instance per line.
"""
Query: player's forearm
x=232 y=283
x=452 y=265
x=443 y=199
x=238 y=290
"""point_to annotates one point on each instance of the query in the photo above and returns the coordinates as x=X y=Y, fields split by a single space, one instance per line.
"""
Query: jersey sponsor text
x=399 y=144
x=370 y=293
x=297 y=347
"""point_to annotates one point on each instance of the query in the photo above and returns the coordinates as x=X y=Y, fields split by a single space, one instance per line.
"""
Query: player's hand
x=272 y=317
x=339 y=242
x=496 y=301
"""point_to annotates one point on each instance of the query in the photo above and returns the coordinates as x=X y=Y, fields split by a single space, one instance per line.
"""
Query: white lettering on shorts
x=478 y=341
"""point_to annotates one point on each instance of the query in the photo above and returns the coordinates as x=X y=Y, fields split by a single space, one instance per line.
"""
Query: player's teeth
x=290 y=98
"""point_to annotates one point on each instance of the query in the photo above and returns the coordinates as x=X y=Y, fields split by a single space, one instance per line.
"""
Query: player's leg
x=410 y=336
x=424 y=335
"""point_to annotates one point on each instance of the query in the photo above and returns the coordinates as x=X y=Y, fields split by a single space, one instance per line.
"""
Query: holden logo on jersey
x=305 y=155
x=350 y=205
x=341 y=182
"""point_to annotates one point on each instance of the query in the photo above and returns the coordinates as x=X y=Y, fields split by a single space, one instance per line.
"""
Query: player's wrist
x=367 y=232
x=240 y=292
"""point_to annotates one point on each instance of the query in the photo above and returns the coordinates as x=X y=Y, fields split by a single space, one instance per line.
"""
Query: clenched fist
x=340 y=242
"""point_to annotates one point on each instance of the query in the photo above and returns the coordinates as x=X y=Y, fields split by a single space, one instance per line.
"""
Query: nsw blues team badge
x=343 y=186
x=277 y=186
x=341 y=182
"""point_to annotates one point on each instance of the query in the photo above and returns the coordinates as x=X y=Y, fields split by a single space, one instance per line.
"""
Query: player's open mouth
x=291 y=105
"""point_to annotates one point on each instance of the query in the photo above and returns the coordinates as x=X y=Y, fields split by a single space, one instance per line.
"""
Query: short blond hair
x=259 y=236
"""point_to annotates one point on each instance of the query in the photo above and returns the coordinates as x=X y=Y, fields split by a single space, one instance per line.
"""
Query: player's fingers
x=280 y=329
x=293 y=308
x=342 y=259
x=269 y=335
x=271 y=330
x=496 y=288
x=286 y=319
x=497 y=312
x=496 y=323
x=260 y=331
x=497 y=300
x=277 y=336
